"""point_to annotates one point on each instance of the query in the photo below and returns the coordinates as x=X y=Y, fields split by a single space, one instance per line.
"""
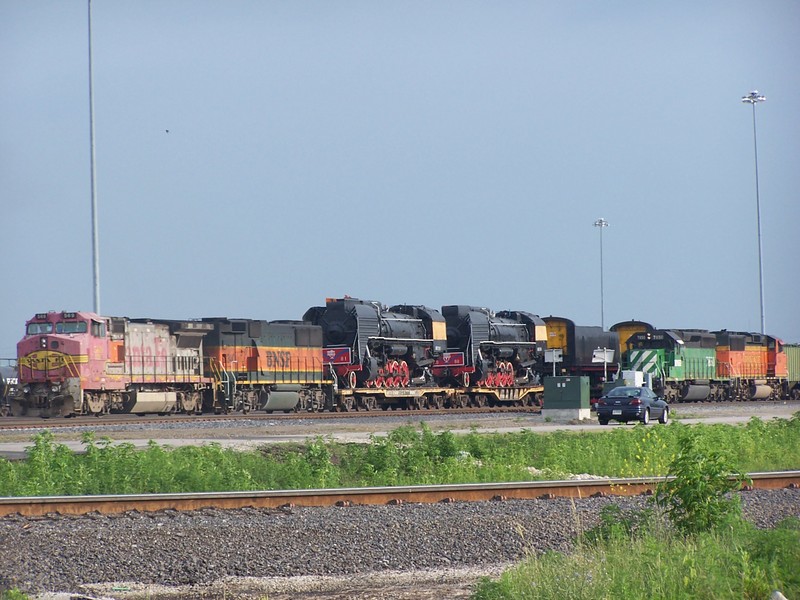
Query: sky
x=256 y=157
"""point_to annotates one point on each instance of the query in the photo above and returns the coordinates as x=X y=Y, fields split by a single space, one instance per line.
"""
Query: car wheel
x=646 y=416
x=664 y=418
x=603 y=421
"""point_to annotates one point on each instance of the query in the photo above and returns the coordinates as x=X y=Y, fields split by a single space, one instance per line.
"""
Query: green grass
x=691 y=542
x=740 y=562
x=407 y=456
x=697 y=547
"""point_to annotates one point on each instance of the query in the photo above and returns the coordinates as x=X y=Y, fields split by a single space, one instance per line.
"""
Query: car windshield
x=624 y=392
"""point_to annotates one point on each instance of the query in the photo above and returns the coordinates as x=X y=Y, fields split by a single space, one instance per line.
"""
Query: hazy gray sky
x=408 y=152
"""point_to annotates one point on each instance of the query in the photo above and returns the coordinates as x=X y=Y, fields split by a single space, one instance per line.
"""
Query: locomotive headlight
x=55 y=387
x=26 y=390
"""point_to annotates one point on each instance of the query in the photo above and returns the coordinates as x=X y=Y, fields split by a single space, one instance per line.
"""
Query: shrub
x=697 y=498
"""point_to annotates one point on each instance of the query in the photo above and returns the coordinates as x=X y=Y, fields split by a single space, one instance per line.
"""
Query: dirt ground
x=412 y=585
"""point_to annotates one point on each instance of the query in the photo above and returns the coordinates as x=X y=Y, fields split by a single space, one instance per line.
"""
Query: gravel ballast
x=156 y=552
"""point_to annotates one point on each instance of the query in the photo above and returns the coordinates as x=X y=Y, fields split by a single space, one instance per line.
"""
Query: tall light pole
x=601 y=223
x=95 y=243
x=754 y=98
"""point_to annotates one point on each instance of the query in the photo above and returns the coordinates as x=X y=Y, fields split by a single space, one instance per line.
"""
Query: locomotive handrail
x=380 y=338
x=494 y=343
x=69 y=361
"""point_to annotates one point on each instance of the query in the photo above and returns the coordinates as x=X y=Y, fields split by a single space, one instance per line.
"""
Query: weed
x=698 y=498
x=408 y=455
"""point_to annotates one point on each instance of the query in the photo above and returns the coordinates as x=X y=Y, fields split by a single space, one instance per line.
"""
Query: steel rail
x=24 y=423
x=31 y=506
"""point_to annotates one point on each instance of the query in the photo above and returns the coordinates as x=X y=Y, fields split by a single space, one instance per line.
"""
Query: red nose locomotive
x=73 y=363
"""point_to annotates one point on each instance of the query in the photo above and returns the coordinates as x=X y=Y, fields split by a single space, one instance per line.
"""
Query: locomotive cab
x=57 y=353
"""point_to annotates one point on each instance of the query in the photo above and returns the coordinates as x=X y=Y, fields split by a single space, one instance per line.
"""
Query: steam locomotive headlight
x=55 y=387
x=26 y=390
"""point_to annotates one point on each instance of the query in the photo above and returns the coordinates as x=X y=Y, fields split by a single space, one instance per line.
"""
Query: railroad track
x=80 y=505
x=22 y=423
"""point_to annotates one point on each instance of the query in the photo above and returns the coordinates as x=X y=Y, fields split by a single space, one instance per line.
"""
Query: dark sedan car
x=625 y=404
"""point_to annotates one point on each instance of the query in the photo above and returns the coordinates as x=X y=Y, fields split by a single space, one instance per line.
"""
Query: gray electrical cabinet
x=566 y=392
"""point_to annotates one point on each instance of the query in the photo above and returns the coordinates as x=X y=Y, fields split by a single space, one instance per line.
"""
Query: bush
x=698 y=497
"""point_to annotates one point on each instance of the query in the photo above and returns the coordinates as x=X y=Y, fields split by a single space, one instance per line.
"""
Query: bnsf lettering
x=278 y=360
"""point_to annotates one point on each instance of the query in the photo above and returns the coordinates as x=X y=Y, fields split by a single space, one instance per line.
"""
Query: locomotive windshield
x=71 y=327
x=37 y=328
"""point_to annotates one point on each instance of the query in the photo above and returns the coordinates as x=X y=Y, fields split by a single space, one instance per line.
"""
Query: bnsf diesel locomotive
x=360 y=355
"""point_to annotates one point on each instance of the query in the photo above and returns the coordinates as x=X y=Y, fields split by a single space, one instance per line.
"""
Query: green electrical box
x=566 y=392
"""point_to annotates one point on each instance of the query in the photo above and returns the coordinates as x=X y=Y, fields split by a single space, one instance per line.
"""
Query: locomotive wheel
x=509 y=375
x=189 y=403
x=405 y=374
x=351 y=380
x=94 y=404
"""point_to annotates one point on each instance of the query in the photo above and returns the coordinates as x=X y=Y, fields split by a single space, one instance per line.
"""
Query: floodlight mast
x=754 y=98
x=601 y=223
x=95 y=243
